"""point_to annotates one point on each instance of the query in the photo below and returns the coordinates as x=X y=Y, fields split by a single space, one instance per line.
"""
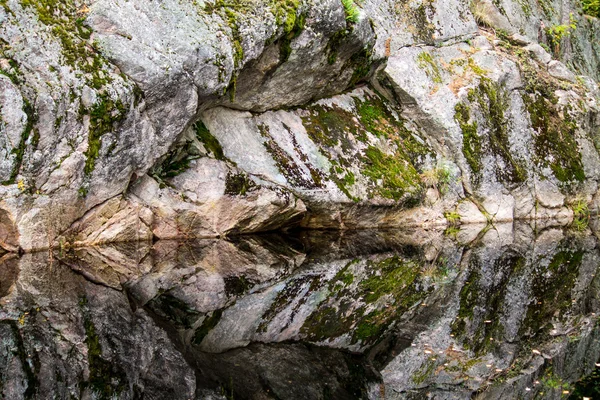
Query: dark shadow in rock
x=9 y=272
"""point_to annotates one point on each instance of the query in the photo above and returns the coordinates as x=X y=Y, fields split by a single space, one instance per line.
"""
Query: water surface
x=501 y=312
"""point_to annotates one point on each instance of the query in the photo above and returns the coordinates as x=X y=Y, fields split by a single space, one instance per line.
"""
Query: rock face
x=124 y=120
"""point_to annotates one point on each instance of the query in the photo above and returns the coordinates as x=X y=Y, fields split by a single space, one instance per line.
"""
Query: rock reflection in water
x=498 y=313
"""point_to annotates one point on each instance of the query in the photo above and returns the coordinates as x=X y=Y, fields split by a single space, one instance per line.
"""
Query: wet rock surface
x=500 y=311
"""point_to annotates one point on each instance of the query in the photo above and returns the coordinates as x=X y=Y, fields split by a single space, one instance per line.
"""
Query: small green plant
x=591 y=7
x=545 y=47
x=439 y=178
x=558 y=32
x=352 y=12
x=452 y=217
x=581 y=215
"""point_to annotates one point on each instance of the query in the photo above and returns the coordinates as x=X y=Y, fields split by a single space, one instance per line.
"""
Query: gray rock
x=560 y=71
x=539 y=53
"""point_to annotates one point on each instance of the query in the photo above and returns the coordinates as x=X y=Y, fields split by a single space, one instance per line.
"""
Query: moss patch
x=238 y=184
x=490 y=102
x=29 y=131
x=478 y=322
x=356 y=139
x=211 y=144
x=207 y=325
x=426 y=62
x=552 y=291
x=361 y=64
x=366 y=306
x=334 y=43
x=285 y=296
x=174 y=310
x=287 y=166
x=493 y=101
x=106 y=379
x=554 y=142
x=19 y=151
x=68 y=26
x=397 y=177
x=104 y=115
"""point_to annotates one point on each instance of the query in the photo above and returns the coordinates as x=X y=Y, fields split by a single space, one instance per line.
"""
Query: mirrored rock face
x=503 y=312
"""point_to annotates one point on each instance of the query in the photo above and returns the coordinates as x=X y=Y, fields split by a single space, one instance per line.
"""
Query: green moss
x=343 y=277
x=395 y=274
x=476 y=69
x=424 y=372
x=174 y=310
x=29 y=360
x=551 y=290
x=237 y=285
x=78 y=52
x=361 y=63
x=589 y=386
x=349 y=179
x=333 y=129
x=238 y=184
x=367 y=306
x=452 y=217
x=492 y=100
x=397 y=176
x=106 y=379
x=19 y=151
x=104 y=115
x=426 y=62
x=547 y=7
x=285 y=49
x=376 y=117
x=525 y=7
x=211 y=144
x=29 y=130
x=351 y=10
x=471 y=147
x=233 y=12
x=591 y=7
x=287 y=166
x=4 y=4
x=329 y=127
x=344 y=182
x=334 y=43
x=370 y=327
x=478 y=323
x=207 y=325
x=425 y=31
x=292 y=289
x=372 y=115
x=554 y=142
x=12 y=72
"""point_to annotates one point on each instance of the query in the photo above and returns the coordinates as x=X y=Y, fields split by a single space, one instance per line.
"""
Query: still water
x=502 y=312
